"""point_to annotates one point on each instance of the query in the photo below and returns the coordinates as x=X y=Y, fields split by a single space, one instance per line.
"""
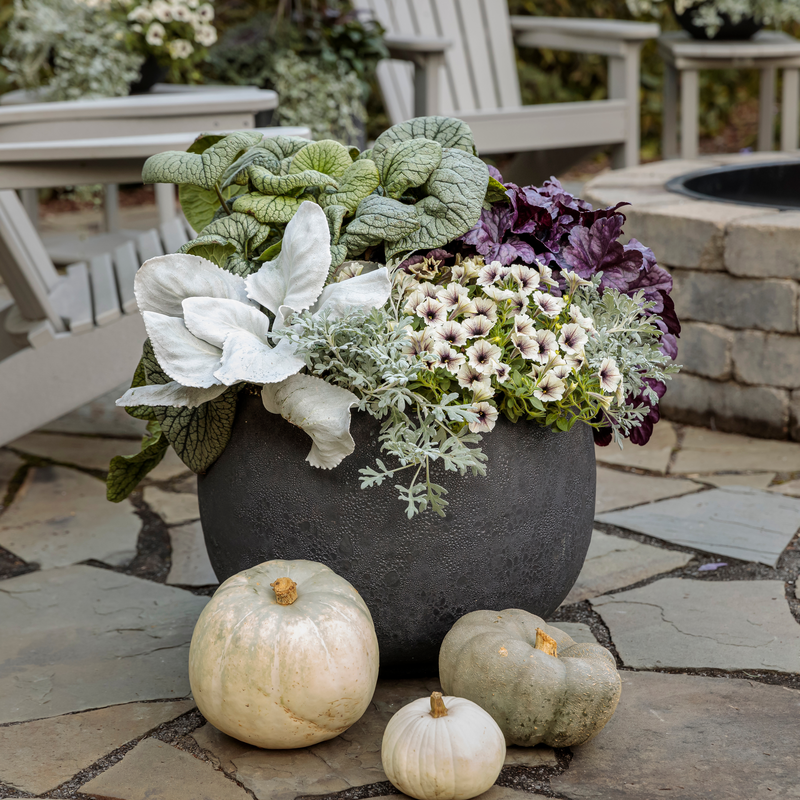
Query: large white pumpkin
x=282 y=666
x=442 y=748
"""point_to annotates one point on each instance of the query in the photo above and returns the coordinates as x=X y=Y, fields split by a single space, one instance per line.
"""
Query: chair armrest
x=602 y=36
x=407 y=48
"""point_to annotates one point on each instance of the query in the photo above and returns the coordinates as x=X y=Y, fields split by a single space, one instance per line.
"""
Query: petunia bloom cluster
x=498 y=334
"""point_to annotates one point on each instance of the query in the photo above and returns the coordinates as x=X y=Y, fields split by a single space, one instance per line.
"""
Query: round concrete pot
x=516 y=538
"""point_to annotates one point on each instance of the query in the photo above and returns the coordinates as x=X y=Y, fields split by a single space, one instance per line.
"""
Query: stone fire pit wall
x=737 y=282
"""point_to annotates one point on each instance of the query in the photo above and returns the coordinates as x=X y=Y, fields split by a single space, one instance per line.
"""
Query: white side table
x=767 y=51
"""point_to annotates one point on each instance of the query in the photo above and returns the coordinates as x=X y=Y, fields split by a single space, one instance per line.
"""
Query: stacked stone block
x=737 y=293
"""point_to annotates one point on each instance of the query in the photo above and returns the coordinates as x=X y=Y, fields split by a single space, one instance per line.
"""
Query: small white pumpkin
x=442 y=748
x=285 y=655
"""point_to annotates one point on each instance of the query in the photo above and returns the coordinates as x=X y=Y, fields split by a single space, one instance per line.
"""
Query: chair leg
x=111 y=207
x=165 y=200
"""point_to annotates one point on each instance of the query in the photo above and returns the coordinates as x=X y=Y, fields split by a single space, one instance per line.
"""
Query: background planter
x=514 y=539
x=745 y=28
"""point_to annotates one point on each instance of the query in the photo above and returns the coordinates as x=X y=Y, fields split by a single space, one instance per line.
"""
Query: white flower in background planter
x=208 y=330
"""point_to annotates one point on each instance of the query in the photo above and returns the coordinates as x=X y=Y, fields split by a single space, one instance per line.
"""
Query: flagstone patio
x=690 y=580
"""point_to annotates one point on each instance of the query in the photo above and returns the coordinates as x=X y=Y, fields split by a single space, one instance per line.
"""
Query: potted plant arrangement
x=71 y=49
x=722 y=19
x=355 y=340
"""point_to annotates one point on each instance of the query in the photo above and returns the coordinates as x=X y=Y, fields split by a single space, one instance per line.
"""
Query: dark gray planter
x=514 y=539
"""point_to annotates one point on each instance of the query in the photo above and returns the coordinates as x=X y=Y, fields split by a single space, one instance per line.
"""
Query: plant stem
x=221 y=199
x=438 y=708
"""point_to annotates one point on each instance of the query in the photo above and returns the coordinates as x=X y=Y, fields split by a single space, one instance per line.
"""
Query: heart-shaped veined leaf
x=408 y=163
x=268 y=153
x=126 y=472
x=362 y=292
x=453 y=205
x=164 y=282
x=268 y=183
x=338 y=254
x=241 y=266
x=325 y=156
x=199 y=435
x=378 y=218
x=214 y=248
x=296 y=277
x=335 y=215
x=169 y=394
x=364 y=154
x=202 y=169
x=212 y=319
x=321 y=409
x=449 y=132
x=360 y=180
x=184 y=357
x=148 y=371
x=234 y=233
x=284 y=146
x=200 y=205
x=268 y=209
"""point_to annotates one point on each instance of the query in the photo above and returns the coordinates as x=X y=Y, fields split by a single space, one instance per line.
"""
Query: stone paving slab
x=733 y=521
x=790 y=488
x=38 y=756
x=613 y=562
x=351 y=759
x=690 y=738
x=617 y=489
x=190 y=562
x=100 y=417
x=577 y=630
x=90 y=453
x=654 y=456
x=731 y=625
x=155 y=770
x=703 y=450
x=61 y=516
x=756 y=480
x=173 y=507
x=9 y=464
x=80 y=637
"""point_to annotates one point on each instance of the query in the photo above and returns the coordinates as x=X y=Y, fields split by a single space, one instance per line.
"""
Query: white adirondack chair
x=457 y=57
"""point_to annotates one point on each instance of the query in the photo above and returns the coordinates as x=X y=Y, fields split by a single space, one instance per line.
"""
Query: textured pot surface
x=516 y=538
x=730 y=31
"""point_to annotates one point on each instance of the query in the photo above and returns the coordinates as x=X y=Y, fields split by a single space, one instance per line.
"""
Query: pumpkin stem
x=285 y=591
x=547 y=644
x=438 y=708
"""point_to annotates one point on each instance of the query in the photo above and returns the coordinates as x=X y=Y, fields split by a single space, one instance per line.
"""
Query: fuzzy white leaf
x=185 y=358
x=245 y=357
x=163 y=283
x=296 y=276
x=213 y=318
x=365 y=291
x=169 y=394
x=321 y=410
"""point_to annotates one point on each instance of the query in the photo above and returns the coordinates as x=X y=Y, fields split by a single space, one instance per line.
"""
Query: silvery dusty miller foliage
x=269 y=298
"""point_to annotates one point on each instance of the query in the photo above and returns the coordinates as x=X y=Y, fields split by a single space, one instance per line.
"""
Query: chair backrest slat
x=429 y=24
x=501 y=50
x=24 y=265
x=105 y=298
x=126 y=263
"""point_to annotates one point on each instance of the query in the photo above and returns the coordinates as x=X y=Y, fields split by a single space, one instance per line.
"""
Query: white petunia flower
x=501 y=372
x=155 y=34
x=603 y=400
x=562 y=371
x=491 y=273
x=498 y=295
x=464 y=306
x=206 y=12
x=205 y=35
x=470 y=378
x=447 y=358
x=451 y=295
x=576 y=360
x=546 y=345
x=528 y=347
x=414 y=299
x=141 y=14
x=545 y=274
x=609 y=375
x=465 y=271
x=573 y=338
x=418 y=342
x=518 y=303
x=451 y=332
x=574 y=280
x=549 y=388
x=487 y=417
x=523 y=324
x=161 y=10
x=432 y=311
x=180 y=48
x=486 y=306
x=587 y=323
x=482 y=391
x=549 y=305
x=429 y=289
x=527 y=279
x=477 y=326
x=483 y=356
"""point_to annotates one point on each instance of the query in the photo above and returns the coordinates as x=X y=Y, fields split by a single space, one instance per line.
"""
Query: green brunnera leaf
x=229 y=241
x=338 y=255
x=126 y=472
x=455 y=199
x=200 y=205
x=379 y=219
x=199 y=435
x=447 y=131
x=408 y=163
x=268 y=153
x=360 y=180
x=495 y=191
x=325 y=156
x=267 y=182
x=268 y=209
x=148 y=371
x=201 y=169
x=335 y=215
